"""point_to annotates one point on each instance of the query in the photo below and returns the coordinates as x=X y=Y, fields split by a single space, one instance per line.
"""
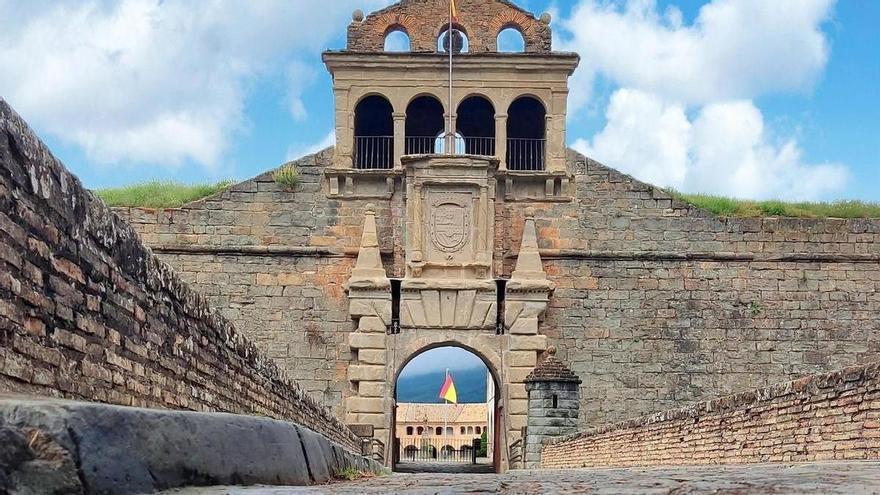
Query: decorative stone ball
x=551 y=351
x=546 y=17
x=357 y=15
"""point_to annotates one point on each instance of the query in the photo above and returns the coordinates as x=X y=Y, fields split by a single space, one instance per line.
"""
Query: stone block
x=365 y=405
x=525 y=326
x=372 y=324
x=367 y=340
x=524 y=359
x=528 y=343
x=372 y=389
x=372 y=356
x=364 y=372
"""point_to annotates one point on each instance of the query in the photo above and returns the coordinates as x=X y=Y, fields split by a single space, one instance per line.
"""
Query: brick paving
x=810 y=478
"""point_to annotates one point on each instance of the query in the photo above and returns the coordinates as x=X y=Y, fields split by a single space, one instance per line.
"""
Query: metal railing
x=373 y=152
x=422 y=145
x=526 y=154
x=515 y=454
x=480 y=146
x=441 y=450
x=426 y=145
x=377 y=450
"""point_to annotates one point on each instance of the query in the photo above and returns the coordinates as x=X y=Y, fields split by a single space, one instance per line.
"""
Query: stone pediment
x=423 y=21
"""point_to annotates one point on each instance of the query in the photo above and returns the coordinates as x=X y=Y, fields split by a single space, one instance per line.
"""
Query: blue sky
x=740 y=97
x=454 y=358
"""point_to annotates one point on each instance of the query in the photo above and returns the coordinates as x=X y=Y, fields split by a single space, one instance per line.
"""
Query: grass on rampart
x=157 y=194
x=730 y=207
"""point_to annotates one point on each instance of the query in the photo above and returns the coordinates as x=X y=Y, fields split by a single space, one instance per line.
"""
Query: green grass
x=730 y=207
x=158 y=194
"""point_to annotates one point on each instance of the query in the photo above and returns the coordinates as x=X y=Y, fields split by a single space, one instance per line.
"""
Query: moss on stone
x=731 y=207
x=158 y=194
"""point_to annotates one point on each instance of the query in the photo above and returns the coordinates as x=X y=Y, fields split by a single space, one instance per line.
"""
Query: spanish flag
x=453 y=10
x=448 y=391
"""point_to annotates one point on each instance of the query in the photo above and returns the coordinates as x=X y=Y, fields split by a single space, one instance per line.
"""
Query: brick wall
x=424 y=20
x=87 y=311
x=820 y=417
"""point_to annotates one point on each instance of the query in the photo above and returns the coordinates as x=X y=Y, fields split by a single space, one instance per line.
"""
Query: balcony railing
x=377 y=152
x=426 y=145
x=374 y=152
x=526 y=154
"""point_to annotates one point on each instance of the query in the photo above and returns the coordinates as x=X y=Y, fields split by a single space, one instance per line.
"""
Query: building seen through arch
x=430 y=431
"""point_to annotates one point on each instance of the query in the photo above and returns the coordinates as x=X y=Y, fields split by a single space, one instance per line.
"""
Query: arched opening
x=511 y=40
x=409 y=431
x=373 y=133
x=526 y=134
x=397 y=40
x=448 y=389
x=476 y=123
x=424 y=123
x=460 y=42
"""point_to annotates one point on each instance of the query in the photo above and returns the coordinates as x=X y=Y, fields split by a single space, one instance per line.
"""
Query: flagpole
x=446 y=411
x=450 y=137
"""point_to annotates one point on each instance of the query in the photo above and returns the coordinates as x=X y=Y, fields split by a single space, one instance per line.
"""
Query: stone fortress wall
x=834 y=416
x=88 y=312
x=657 y=304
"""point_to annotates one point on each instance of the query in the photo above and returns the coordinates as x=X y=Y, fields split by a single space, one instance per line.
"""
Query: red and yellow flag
x=454 y=10
x=448 y=391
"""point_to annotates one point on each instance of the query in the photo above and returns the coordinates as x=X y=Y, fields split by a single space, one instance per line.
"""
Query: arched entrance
x=431 y=434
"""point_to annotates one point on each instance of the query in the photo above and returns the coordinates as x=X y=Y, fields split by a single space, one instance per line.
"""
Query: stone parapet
x=831 y=416
x=88 y=312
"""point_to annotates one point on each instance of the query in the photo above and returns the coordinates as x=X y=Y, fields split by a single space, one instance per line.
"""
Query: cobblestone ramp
x=822 y=478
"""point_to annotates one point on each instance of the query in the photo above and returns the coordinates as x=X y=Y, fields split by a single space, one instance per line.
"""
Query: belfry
x=447 y=142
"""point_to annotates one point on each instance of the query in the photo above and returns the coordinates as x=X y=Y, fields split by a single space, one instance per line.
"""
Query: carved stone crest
x=450 y=225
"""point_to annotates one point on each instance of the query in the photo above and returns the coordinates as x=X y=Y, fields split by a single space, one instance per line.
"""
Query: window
x=526 y=134
x=470 y=430
x=478 y=431
x=409 y=430
x=510 y=40
x=373 y=133
x=420 y=430
x=424 y=123
x=396 y=40
x=449 y=431
x=555 y=401
x=462 y=430
x=476 y=124
x=438 y=431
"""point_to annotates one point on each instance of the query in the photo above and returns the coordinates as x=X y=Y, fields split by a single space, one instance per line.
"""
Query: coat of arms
x=449 y=226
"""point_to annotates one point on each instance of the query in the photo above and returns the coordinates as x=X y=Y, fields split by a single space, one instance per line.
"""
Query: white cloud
x=685 y=116
x=299 y=150
x=724 y=150
x=735 y=49
x=151 y=80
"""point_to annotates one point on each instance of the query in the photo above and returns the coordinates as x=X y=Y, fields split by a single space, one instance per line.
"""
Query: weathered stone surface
x=111 y=449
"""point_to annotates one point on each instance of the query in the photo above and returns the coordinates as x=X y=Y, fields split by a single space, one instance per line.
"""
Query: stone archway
x=448 y=297
x=407 y=348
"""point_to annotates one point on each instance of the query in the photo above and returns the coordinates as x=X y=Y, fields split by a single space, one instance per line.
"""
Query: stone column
x=369 y=293
x=554 y=406
x=342 y=157
x=501 y=140
x=399 y=138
